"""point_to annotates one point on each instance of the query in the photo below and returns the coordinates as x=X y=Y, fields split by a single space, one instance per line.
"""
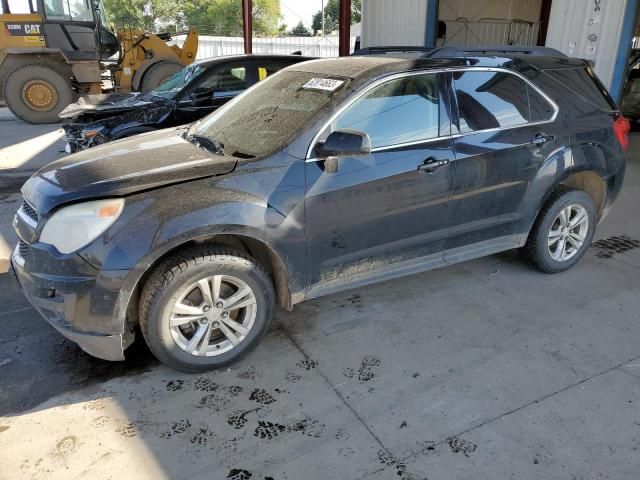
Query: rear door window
x=582 y=83
x=399 y=111
x=489 y=100
x=227 y=80
x=267 y=68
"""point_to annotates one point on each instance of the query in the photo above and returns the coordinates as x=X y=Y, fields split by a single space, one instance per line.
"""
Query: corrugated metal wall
x=577 y=29
x=397 y=22
x=402 y=22
x=490 y=22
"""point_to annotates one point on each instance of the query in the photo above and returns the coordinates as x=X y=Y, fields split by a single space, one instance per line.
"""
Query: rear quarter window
x=584 y=85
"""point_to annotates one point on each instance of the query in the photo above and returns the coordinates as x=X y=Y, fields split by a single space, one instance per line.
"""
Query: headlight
x=73 y=227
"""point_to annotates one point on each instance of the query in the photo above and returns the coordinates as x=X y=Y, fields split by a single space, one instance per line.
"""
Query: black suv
x=186 y=96
x=331 y=174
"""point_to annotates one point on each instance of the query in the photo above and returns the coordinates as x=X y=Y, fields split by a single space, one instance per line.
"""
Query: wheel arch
x=125 y=313
x=123 y=131
x=590 y=181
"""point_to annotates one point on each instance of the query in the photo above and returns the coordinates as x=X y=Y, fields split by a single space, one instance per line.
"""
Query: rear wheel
x=206 y=308
x=157 y=74
x=563 y=231
x=36 y=93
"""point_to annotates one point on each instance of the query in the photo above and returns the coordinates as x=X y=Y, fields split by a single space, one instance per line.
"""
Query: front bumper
x=79 y=304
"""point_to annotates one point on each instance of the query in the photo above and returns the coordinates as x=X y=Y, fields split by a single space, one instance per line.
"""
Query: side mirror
x=201 y=96
x=345 y=142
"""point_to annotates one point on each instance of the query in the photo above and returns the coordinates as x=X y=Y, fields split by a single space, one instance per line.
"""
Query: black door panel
x=376 y=210
x=498 y=150
x=493 y=171
x=369 y=212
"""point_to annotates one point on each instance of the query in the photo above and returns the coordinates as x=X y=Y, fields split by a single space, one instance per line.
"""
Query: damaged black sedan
x=187 y=96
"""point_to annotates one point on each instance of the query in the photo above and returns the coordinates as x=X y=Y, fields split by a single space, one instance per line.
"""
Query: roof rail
x=483 y=50
x=462 y=51
x=390 y=49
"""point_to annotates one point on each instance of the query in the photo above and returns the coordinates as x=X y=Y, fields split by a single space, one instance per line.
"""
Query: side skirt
x=412 y=267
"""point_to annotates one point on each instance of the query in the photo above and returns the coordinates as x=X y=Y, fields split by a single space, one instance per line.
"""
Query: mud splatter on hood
x=123 y=167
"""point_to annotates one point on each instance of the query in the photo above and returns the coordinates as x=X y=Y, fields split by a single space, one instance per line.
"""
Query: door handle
x=541 y=139
x=431 y=164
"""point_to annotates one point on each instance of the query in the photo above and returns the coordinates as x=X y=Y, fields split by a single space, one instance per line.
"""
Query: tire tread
x=530 y=251
x=165 y=273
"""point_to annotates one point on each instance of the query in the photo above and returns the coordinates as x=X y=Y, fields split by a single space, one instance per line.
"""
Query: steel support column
x=344 y=22
x=247 y=25
x=431 y=30
x=624 y=47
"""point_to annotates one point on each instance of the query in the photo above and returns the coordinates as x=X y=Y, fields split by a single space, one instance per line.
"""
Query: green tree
x=332 y=15
x=224 y=17
x=147 y=14
x=300 y=30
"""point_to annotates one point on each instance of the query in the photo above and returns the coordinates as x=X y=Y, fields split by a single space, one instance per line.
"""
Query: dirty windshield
x=267 y=116
x=176 y=82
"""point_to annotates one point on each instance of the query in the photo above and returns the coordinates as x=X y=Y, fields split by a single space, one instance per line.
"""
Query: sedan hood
x=120 y=168
x=110 y=103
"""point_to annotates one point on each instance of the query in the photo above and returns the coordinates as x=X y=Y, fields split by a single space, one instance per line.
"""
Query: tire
x=172 y=284
x=157 y=73
x=548 y=234
x=50 y=87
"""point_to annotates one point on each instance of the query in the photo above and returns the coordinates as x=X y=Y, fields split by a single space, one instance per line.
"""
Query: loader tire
x=37 y=93
x=157 y=74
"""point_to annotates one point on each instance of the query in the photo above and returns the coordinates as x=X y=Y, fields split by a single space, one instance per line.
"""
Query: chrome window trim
x=26 y=218
x=395 y=76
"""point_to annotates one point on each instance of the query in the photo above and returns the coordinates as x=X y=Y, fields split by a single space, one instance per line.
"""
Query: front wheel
x=36 y=93
x=563 y=231
x=206 y=308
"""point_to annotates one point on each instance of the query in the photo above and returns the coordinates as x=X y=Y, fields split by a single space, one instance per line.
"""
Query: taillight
x=621 y=128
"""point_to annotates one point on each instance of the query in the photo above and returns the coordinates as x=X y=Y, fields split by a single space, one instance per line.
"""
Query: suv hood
x=110 y=103
x=123 y=167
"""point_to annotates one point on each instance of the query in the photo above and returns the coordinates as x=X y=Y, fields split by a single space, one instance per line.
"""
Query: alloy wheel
x=213 y=315
x=568 y=232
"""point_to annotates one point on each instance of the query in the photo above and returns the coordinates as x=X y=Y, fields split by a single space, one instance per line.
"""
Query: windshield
x=68 y=10
x=101 y=12
x=176 y=82
x=268 y=115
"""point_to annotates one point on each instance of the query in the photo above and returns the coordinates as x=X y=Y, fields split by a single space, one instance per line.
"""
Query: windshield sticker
x=327 y=84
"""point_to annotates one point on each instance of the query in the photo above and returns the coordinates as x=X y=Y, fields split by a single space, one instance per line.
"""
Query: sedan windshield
x=267 y=116
x=176 y=82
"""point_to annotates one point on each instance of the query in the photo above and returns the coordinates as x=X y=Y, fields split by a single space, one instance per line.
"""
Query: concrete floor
x=484 y=370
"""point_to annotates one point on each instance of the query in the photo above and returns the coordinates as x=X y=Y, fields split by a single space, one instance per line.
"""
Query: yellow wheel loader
x=58 y=50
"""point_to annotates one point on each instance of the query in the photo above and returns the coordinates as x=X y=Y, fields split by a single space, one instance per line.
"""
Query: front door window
x=403 y=110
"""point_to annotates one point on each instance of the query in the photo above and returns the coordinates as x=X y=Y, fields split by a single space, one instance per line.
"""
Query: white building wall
x=577 y=29
x=403 y=22
x=393 y=22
